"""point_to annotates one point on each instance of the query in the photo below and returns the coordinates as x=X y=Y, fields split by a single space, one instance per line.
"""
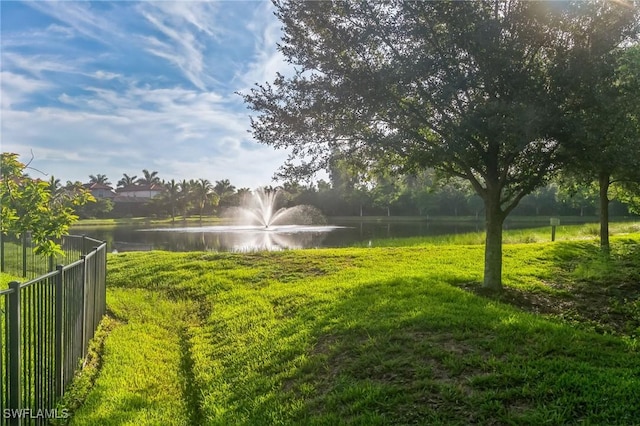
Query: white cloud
x=16 y=88
x=105 y=75
x=181 y=133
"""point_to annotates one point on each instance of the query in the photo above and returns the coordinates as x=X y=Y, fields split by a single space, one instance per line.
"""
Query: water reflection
x=251 y=238
x=245 y=238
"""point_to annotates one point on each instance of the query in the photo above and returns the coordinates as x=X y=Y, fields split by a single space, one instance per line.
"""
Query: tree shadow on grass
x=408 y=351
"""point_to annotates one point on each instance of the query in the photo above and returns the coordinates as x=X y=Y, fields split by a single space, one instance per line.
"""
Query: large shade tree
x=460 y=86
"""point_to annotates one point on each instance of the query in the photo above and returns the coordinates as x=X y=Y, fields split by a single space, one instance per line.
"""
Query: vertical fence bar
x=3 y=357
x=58 y=332
x=24 y=254
x=94 y=290
x=103 y=280
x=85 y=279
x=3 y=350
x=13 y=319
x=1 y=253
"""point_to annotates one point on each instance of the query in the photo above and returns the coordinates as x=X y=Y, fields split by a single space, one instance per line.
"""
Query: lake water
x=226 y=238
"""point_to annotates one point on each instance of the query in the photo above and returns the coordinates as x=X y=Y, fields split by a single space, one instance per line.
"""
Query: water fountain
x=261 y=209
x=261 y=224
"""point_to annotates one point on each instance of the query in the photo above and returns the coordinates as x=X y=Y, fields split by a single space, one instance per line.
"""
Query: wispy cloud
x=184 y=27
x=36 y=64
x=266 y=60
x=80 y=17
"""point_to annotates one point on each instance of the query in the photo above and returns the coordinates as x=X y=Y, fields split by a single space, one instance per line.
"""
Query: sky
x=116 y=87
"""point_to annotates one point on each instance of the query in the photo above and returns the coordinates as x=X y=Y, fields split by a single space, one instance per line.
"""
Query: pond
x=251 y=238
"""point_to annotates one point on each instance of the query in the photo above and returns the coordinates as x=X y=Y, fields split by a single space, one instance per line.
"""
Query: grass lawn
x=380 y=335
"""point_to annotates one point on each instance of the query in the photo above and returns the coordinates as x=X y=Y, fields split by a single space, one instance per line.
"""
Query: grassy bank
x=380 y=335
x=584 y=232
x=136 y=221
x=543 y=219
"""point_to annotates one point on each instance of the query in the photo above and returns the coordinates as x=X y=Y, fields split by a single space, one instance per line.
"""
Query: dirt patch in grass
x=611 y=309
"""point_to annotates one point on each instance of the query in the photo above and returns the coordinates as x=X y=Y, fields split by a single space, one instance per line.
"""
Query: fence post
x=59 y=328
x=14 y=366
x=96 y=279
x=84 y=244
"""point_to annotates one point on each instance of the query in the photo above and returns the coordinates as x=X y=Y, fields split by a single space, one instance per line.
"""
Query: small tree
x=29 y=205
x=603 y=111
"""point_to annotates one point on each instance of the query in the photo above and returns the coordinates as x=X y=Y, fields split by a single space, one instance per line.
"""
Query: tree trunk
x=603 y=183
x=493 y=246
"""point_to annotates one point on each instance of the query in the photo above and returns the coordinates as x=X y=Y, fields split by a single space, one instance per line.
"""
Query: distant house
x=143 y=192
x=99 y=190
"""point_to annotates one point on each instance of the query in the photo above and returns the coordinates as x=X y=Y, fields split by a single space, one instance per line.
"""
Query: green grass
x=5 y=279
x=381 y=335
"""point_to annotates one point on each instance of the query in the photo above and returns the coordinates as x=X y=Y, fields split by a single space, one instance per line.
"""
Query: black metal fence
x=17 y=256
x=45 y=327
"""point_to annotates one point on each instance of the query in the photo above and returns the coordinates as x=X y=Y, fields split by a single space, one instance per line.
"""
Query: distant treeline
x=344 y=194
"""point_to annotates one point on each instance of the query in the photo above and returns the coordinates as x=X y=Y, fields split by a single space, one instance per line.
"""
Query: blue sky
x=117 y=87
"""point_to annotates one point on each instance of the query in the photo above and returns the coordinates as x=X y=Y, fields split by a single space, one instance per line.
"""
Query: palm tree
x=225 y=191
x=127 y=181
x=150 y=178
x=99 y=179
x=54 y=185
x=56 y=190
x=241 y=197
x=171 y=195
x=203 y=192
x=184 y=196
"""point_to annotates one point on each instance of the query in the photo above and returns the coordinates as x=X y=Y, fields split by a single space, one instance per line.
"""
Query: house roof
x=136 y=188
x=93 y=185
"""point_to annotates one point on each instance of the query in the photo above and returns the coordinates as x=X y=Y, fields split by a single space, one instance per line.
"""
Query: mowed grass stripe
x=369 y=336
x=141 y=380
